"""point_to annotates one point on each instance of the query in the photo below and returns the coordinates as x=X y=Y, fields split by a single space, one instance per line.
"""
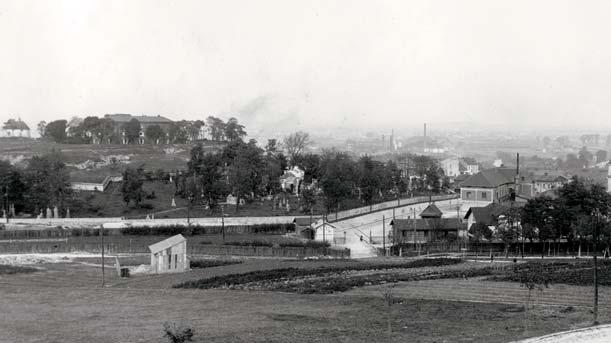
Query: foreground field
x=63 y=302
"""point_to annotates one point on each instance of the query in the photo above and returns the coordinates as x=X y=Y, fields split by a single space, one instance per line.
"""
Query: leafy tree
x=216 y=127
x=308 y=199
x=48 y=181
x=479 y=231
x=233 y=130
x=601 y=156
x=209 y=168
x=244 y=168
x=11 y=184
x=154 y=133
x=56 y=131
x=339 y=178
x=296 y=143
x=369 y=179
x=572 y=162
x=312 y=166
x=178 y=133
x=131 y=189
x=42 y=128
x=132 y=131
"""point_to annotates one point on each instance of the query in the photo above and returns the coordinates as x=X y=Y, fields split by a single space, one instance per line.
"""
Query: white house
x=15 y=128
x=450 y=166
x=169 y=255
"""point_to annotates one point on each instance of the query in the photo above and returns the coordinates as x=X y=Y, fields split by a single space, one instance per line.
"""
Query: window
x=175 y=261
x=169 y=261
x=468 y=196
x=484 y=194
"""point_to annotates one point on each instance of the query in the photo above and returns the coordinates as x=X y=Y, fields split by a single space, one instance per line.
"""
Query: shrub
x=178 y=333
x=212 y=263
x=200 y=230
x=253 y=243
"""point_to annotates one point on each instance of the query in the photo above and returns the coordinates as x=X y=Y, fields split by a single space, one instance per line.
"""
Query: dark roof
x=167 y=243
x=490 y=178
x=425 y=224
x=488 y=214
x=549 y=178
x=124 y=118
x=431 y=211
x=13 y=124
x=305 y=221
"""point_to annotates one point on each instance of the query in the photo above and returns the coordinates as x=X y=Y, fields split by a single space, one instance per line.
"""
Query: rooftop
x=124 y=118
x=167 y=243
x=13 y=124
x=432 y=211
x=425 y=224
x=490 y=178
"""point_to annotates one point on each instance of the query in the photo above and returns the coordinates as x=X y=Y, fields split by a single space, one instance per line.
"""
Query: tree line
x=579 y=214
x=95 y=130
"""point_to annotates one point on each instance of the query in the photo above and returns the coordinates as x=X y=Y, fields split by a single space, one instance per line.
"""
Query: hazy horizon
x=306 y=65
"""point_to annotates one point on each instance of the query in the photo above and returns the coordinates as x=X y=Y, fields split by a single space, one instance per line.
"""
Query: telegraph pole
x=6 y=213
x=103 y=271
x=384 y=234
x=596 y=218
x=223 y=221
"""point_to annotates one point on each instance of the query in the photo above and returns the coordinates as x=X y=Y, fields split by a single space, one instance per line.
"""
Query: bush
x=253 y=243
x=178 y=333
x=212 y=263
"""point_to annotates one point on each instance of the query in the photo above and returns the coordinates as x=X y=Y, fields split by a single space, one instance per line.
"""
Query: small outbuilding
x=169 y=255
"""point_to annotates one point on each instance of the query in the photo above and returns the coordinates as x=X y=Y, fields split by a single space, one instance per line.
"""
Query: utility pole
x=103 y=271
x=6 y=212
x=414 y=222
x=596 y=218
x=384 y=234
x=223 y=222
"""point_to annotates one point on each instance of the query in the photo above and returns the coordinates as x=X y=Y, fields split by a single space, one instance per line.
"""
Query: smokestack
x=518 y=164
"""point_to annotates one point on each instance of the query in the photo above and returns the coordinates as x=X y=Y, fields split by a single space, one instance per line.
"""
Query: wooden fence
x=66 y=245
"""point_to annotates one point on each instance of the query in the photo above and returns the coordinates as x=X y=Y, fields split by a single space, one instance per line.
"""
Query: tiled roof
x=431 y=211
x=167 y=243
x=124 y=118
x=13 y=124
x=490 y=178
x=487 y=215
x=426 y=224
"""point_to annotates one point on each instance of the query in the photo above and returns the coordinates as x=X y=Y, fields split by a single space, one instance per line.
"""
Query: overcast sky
x=311 y=63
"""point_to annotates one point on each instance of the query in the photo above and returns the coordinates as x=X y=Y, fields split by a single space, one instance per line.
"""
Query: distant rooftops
x=13 y=124
x=124 y=118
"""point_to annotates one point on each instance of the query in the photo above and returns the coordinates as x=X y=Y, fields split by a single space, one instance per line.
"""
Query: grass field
x=65 y=303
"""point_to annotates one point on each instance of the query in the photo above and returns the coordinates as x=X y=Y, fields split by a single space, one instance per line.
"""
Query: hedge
x=171 y=230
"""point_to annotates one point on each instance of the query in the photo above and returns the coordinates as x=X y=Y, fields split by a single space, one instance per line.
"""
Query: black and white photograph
x=300 y=171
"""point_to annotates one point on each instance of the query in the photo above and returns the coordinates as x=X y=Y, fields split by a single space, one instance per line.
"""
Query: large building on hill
x=15 y=128
x=496 y=185
x=120 y=120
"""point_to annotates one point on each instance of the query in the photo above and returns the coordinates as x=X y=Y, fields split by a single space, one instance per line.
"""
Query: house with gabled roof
x=121 y=119
x=496 y=185
x=15 y=128
x=547 y=182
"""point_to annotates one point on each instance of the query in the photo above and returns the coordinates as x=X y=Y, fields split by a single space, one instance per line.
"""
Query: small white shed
x=169 y=255
x=323 y=231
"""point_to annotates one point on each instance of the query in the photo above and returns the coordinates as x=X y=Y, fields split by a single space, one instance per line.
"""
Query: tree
x=131 y=189
x=154 y=133
x=178 y=133
x=42 y=126
x=216 y=127
x=601 y=156
x=369 y=179
x=48 y=181
x=244 y=168
x=308 y=200
x=11 y=184
x=56 y=131
x=132 y=131
x=296 y=143
x=209 y=169
x=572 y=162
x=339 y=178
x=233 y=130
x=538 y=213
x=311 y=165
x=478 y=232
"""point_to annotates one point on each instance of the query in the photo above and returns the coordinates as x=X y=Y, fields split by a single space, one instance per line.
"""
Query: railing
x=332 y=217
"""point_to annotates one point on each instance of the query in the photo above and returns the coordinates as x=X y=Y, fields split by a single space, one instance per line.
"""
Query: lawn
x=571 y=272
